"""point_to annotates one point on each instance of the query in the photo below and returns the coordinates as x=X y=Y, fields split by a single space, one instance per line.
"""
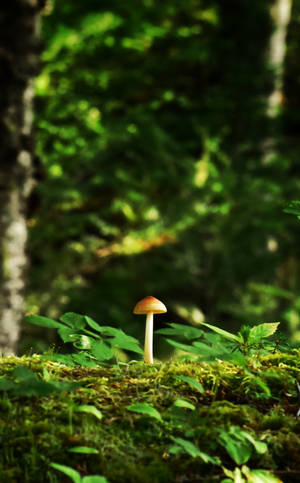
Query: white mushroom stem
x=148 y=349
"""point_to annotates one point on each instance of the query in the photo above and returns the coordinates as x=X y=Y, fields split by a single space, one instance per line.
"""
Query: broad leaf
x=44 y=322
x=75 y=321
x=101 y=351
x=193 y=451
x=239 y=450
x=94 y=325
x=6 y=384
x=144 y=408
x=191 y=382
x=262 y=330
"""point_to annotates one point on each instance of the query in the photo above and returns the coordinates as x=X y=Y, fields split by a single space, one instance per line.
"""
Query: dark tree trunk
x=19 y=25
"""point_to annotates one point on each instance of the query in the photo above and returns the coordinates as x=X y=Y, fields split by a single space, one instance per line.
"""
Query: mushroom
x=149 y=306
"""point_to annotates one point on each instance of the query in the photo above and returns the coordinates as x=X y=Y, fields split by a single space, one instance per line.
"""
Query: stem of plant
x=148 y=349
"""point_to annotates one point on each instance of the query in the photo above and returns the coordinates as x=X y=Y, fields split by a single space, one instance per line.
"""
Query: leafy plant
x=93 y=342
x=144 y=408
x=239 y=444
x=75 y=476
x=244 y=474
x=223 y=344
x=24 y=382
x=192 y=450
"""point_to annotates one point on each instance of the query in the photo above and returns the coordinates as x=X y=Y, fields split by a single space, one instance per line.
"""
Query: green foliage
x=145 y=408
x=26 y=383
x=94 y=346
x=247 y=341
x=153 y=426
x=151 y=127
x=75 y=476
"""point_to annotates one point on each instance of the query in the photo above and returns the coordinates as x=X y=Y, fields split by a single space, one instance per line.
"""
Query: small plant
x=222 y=344
x=94 y=343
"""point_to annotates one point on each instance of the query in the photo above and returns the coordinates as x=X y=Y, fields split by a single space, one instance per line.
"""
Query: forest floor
x=166 y=422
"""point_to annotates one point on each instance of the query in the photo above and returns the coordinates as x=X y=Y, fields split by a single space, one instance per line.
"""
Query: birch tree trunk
x=281 y=14
x=19 y=25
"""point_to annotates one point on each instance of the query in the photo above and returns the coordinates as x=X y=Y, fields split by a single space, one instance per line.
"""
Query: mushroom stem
x=148 y=349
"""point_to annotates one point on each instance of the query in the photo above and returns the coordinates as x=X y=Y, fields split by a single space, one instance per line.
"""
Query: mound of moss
x=166 y=422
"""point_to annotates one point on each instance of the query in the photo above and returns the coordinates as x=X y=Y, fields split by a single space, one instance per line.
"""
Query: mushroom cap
x=149 y=304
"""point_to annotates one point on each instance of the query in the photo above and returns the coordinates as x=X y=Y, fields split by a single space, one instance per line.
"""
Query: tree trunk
x=19 y=25
x=281 y=14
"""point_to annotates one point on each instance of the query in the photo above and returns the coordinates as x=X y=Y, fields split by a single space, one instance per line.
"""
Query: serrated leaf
x=263 y=330
x=73 y=474
x=182 y=403
x=85 y=408
x=191 y=382
x=144 y=408
x=73 y=320
x=83 y=450
x=44 y=322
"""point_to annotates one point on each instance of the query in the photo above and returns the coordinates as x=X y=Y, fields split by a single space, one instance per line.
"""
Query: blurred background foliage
x=153 y=180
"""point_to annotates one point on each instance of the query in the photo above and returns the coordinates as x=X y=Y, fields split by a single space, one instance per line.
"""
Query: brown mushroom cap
x=149 y=304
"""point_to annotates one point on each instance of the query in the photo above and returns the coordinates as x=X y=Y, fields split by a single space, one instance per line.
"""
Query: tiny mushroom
x=149 y=306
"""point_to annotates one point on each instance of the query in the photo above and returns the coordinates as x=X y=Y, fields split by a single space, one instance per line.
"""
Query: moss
x=260 y=398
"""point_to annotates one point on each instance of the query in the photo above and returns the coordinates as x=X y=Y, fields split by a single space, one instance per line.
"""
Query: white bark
x=281 y=14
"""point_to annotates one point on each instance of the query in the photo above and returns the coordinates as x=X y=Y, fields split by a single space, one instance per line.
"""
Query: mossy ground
x=261 y=399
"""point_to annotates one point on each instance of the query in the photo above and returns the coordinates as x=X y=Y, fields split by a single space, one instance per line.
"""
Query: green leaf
x=94 y=479
x=193 y=451
x=182 y=403
x=191 y=382
x=222 y=332
x=44 y=322
x=83 y=450
x=181 y=330
x=68 y=335
x=7 y=384
x=239 y=450
x=101 y=351
x=85 y=408
x=259 y=476
x=260 y=446
x=23 y=374
x=144 y=408
x=83 y=342
x=94 y=325
x=183 y=347
x=73 y=474
x=75 y=321
x=126 y=342
x=293 y=208
x=262 y=330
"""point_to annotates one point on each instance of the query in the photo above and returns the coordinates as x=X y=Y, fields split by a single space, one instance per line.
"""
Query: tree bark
x=19 y=26
x=281 y=14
